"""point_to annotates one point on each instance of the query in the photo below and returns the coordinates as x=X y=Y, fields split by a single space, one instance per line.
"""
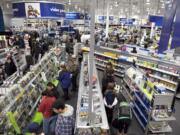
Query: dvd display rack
x=151 y=106
x=98 y=116
x=163 y=73
x=20 y=102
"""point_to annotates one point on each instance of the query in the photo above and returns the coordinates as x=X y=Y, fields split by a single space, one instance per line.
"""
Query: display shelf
x=159 y=70
x=23 y=97
x=140 y=100
x=35 y=105
x=137 y=117
x=102 y=66
x=163 y=79
x=129 y=95
x=171 y=118
x=144 y=109
x=140 y=112
x=167 y=88
x=98 y=109
x=165 y=129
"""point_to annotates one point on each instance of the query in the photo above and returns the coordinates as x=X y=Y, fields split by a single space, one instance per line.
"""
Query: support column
x=107 y=19
x=91 y=58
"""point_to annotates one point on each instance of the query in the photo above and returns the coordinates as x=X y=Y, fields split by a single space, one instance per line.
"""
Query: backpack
x=124 y=111
x=50 y=125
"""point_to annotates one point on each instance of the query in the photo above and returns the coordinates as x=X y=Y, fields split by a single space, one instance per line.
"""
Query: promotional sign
x=53 y=10
x=167 y=25
x=158 y=20
x=176 y=34
x=19 y=9
x=33 y=10
x=74 y=16
x=38 y=10
x=2 y=21
x=102 y=19
x=126 y=21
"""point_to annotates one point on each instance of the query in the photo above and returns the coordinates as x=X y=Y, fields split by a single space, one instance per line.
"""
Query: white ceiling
x=128 y=8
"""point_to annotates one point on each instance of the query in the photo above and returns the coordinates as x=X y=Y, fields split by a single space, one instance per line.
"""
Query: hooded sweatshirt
x=65 y=122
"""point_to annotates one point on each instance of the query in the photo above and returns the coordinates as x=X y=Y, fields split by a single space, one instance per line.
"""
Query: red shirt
x=46 y=106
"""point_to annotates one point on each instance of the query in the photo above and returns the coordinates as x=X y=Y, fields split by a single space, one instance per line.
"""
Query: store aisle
x=135 y=128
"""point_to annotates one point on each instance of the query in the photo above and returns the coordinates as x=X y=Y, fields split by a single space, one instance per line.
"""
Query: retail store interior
x=89 y=67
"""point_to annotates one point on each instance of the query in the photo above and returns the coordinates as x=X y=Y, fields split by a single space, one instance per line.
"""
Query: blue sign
x=126 y=21
x=38 y=10
x=74 y=16
x=52 y=10
x=103 y=18
x=19 y=9
x=158 y=20
x=167 y=25
x=2 y=21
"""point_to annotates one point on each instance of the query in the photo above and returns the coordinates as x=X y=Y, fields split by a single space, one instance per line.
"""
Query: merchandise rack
x=162 y=72
x=20 y=102
x=98 y=117
x=151 y=107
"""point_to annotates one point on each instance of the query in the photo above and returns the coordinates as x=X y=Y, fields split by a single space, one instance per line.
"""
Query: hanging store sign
x=126 y=21
x=167 y=25
x=74 y=16
x=38 y=10
x=102 y=19
x=158 y=20
x=19 y=9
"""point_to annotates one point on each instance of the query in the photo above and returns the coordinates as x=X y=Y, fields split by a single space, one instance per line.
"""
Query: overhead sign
x=102 y=19
x=19 y=9
x=126 y=21
x=52 y=10
x=74 y=16
x=38 y=10
x=158 y=20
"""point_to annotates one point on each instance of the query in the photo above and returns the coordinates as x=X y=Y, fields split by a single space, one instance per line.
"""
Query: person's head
x=50 y=86
x=109 y=65
x=59 y=106
x=134 y=48
x=63 y=66
x=26 y=36
x=110 y=86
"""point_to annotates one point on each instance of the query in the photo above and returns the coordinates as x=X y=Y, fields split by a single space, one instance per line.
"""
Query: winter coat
x=65 y=79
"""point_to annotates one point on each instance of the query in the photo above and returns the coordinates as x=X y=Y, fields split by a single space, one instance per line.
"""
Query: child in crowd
x=47 y=101
x=65 y=80
x=123 y=118
x=110 y=101
x=65 y=121
x=51 y=87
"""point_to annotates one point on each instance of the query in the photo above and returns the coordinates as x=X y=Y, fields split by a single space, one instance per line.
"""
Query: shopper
x=53 y=89
x=134 y=50
x=74 y=71
x=28 y=56
x=123 y=118
x=45 y=106
x=110 y=101
x=10 y=67
x=65 y=80
x=108 y=76
x=65 y=123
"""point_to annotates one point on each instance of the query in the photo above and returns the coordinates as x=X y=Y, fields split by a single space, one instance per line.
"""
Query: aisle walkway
x=135 y=128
